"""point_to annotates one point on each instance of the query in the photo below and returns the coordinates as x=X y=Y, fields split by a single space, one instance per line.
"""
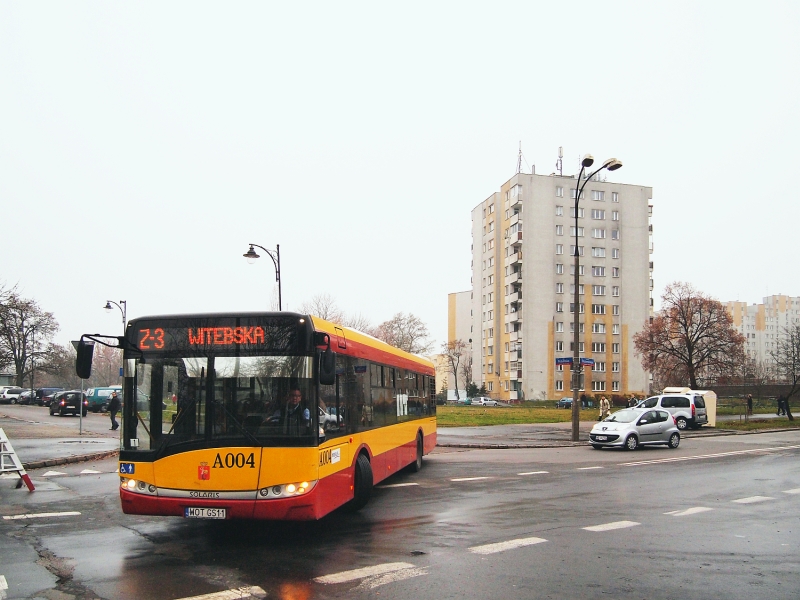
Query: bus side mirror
x=327 y=367
x=83 y=362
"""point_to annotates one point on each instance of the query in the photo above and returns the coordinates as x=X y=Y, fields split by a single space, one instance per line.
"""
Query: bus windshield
x=206 y=401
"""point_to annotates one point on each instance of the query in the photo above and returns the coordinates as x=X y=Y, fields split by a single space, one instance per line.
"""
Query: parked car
x=688 y=409
x=99 y=397
x=328 y=419
x=68 y=403
x=564 y=403
x=10 y=395
x=630 y=428
x=27 y=397
x=484 y=401
x=45 y=395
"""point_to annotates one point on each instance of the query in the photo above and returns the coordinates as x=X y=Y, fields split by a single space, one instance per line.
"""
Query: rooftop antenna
x=559 y=162
x=519 y=158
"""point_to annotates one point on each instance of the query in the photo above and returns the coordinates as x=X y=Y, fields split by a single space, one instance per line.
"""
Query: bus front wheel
x=362 y=484
x=416 y=466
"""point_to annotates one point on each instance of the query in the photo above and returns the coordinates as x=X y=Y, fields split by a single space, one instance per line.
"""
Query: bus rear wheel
x=362 y=484
x=416 y=466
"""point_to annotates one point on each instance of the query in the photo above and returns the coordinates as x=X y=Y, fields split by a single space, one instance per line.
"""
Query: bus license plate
x=601 y=438
x=192 y=512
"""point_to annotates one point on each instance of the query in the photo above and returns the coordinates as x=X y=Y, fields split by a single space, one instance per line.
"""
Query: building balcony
x=513 y=317
x=514 y=258
x=515 y=336
x=513 y=277
x=515 y=297
x=514 y=219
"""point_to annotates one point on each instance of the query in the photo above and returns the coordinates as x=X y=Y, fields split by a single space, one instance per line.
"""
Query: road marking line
x=534 y=473
x=503 y=546
x=394 y=485
x=345 y=576
x=41 y=515
x=717 y=455
x=689 y=511
x=588 y=468
x=53 y=473
x=9 y=476
x=87 y=471
x=752 y=499
x=379 y=580
x=3 y=583
x=232 y=594
x=794 y=491
x=469 y=478
x=614 y=525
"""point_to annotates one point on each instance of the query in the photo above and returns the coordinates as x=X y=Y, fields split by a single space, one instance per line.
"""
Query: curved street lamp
x=612 y=164
x=251 y=255
x=123 y=308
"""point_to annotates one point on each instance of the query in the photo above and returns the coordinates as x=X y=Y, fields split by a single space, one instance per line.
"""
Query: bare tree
x=58 y=369
x=106 y=363
x=323 y=306
x=406 y=332
x=692 y=332
x=25 y=331
x=453 y=352
x=466 y=368
x=358 y=322
x=787 y=361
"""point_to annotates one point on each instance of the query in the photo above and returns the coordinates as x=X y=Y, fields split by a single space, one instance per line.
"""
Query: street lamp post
x=612 y=164
x=275 y=255
x=123 y=308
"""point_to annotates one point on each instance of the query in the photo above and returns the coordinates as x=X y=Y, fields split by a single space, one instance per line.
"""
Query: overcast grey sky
x=143 y=145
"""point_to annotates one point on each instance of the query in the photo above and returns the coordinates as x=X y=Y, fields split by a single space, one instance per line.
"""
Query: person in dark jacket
x=113 y=408
x=749 y=404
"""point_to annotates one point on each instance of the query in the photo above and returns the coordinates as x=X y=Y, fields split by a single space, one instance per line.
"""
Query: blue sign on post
x=564 y=361
x=587 y=361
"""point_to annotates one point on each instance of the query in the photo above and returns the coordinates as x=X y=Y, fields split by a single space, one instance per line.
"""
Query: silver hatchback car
x=630 y=428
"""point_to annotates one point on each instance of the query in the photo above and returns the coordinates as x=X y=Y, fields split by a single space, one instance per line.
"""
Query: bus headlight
x=287 y=490
x=138 y=487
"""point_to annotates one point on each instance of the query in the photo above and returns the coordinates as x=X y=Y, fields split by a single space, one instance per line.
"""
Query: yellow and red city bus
x=266 y=416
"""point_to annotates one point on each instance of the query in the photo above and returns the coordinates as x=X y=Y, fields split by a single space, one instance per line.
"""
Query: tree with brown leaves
x=692 y=336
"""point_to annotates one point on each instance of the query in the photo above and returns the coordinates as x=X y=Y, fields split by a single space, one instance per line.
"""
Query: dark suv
x=45 y=395
x=67 y=403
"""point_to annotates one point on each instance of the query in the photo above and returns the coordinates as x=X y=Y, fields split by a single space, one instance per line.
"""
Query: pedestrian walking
x=749 y=404
x=781 y=405
x=113 y=408
x=605 y=407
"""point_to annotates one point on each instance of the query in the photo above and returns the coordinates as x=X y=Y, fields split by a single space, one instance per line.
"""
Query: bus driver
x=293 y=417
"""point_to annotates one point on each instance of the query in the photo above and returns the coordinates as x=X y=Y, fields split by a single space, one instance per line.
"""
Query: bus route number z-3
x=231 y=460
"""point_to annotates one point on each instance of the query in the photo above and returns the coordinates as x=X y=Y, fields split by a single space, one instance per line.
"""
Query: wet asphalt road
x=451 y=531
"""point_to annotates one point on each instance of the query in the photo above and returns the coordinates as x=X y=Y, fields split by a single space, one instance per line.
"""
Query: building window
x=572 y=347
x=615 y=253
x=559 y=385
x=572 y=289
x=599 y=234
x=615 y=348
x=559 y=288
x=559 y=269
x=615 y=290
x=615 y=271
x=491 y=208
x=615 y=234
x=572 y=327
x=559 y=307
x=598 y=386
x=598 y=309
x=598 y=195
x=599 y=271
x=599 y=366
x=598 y=214
x=615 y=367
x=573 y=193
x=490 y=385
x=615 y=386
x=615 y=329
x=572 y=307
x=598 y=252
x=559 y=230
x=614 y=197
x=615 y=309
x=559 y=192
x=572 y=231
x=559 y=326
x=598 y=290
x=598 y=347
x=559 y=248
x=572 y=250
x=598 y=327
x=615 y=215
x=491 y=226
x=559 y=346
x=560 y=368
x=559 y=211
x=580 y=270
x=491 y=279
x=572 y=212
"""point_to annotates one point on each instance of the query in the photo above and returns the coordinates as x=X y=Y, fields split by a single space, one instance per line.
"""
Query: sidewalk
x=39 y=444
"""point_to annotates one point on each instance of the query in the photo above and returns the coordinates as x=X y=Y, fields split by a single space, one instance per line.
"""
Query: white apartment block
x=762 y=324
x=522 y=285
